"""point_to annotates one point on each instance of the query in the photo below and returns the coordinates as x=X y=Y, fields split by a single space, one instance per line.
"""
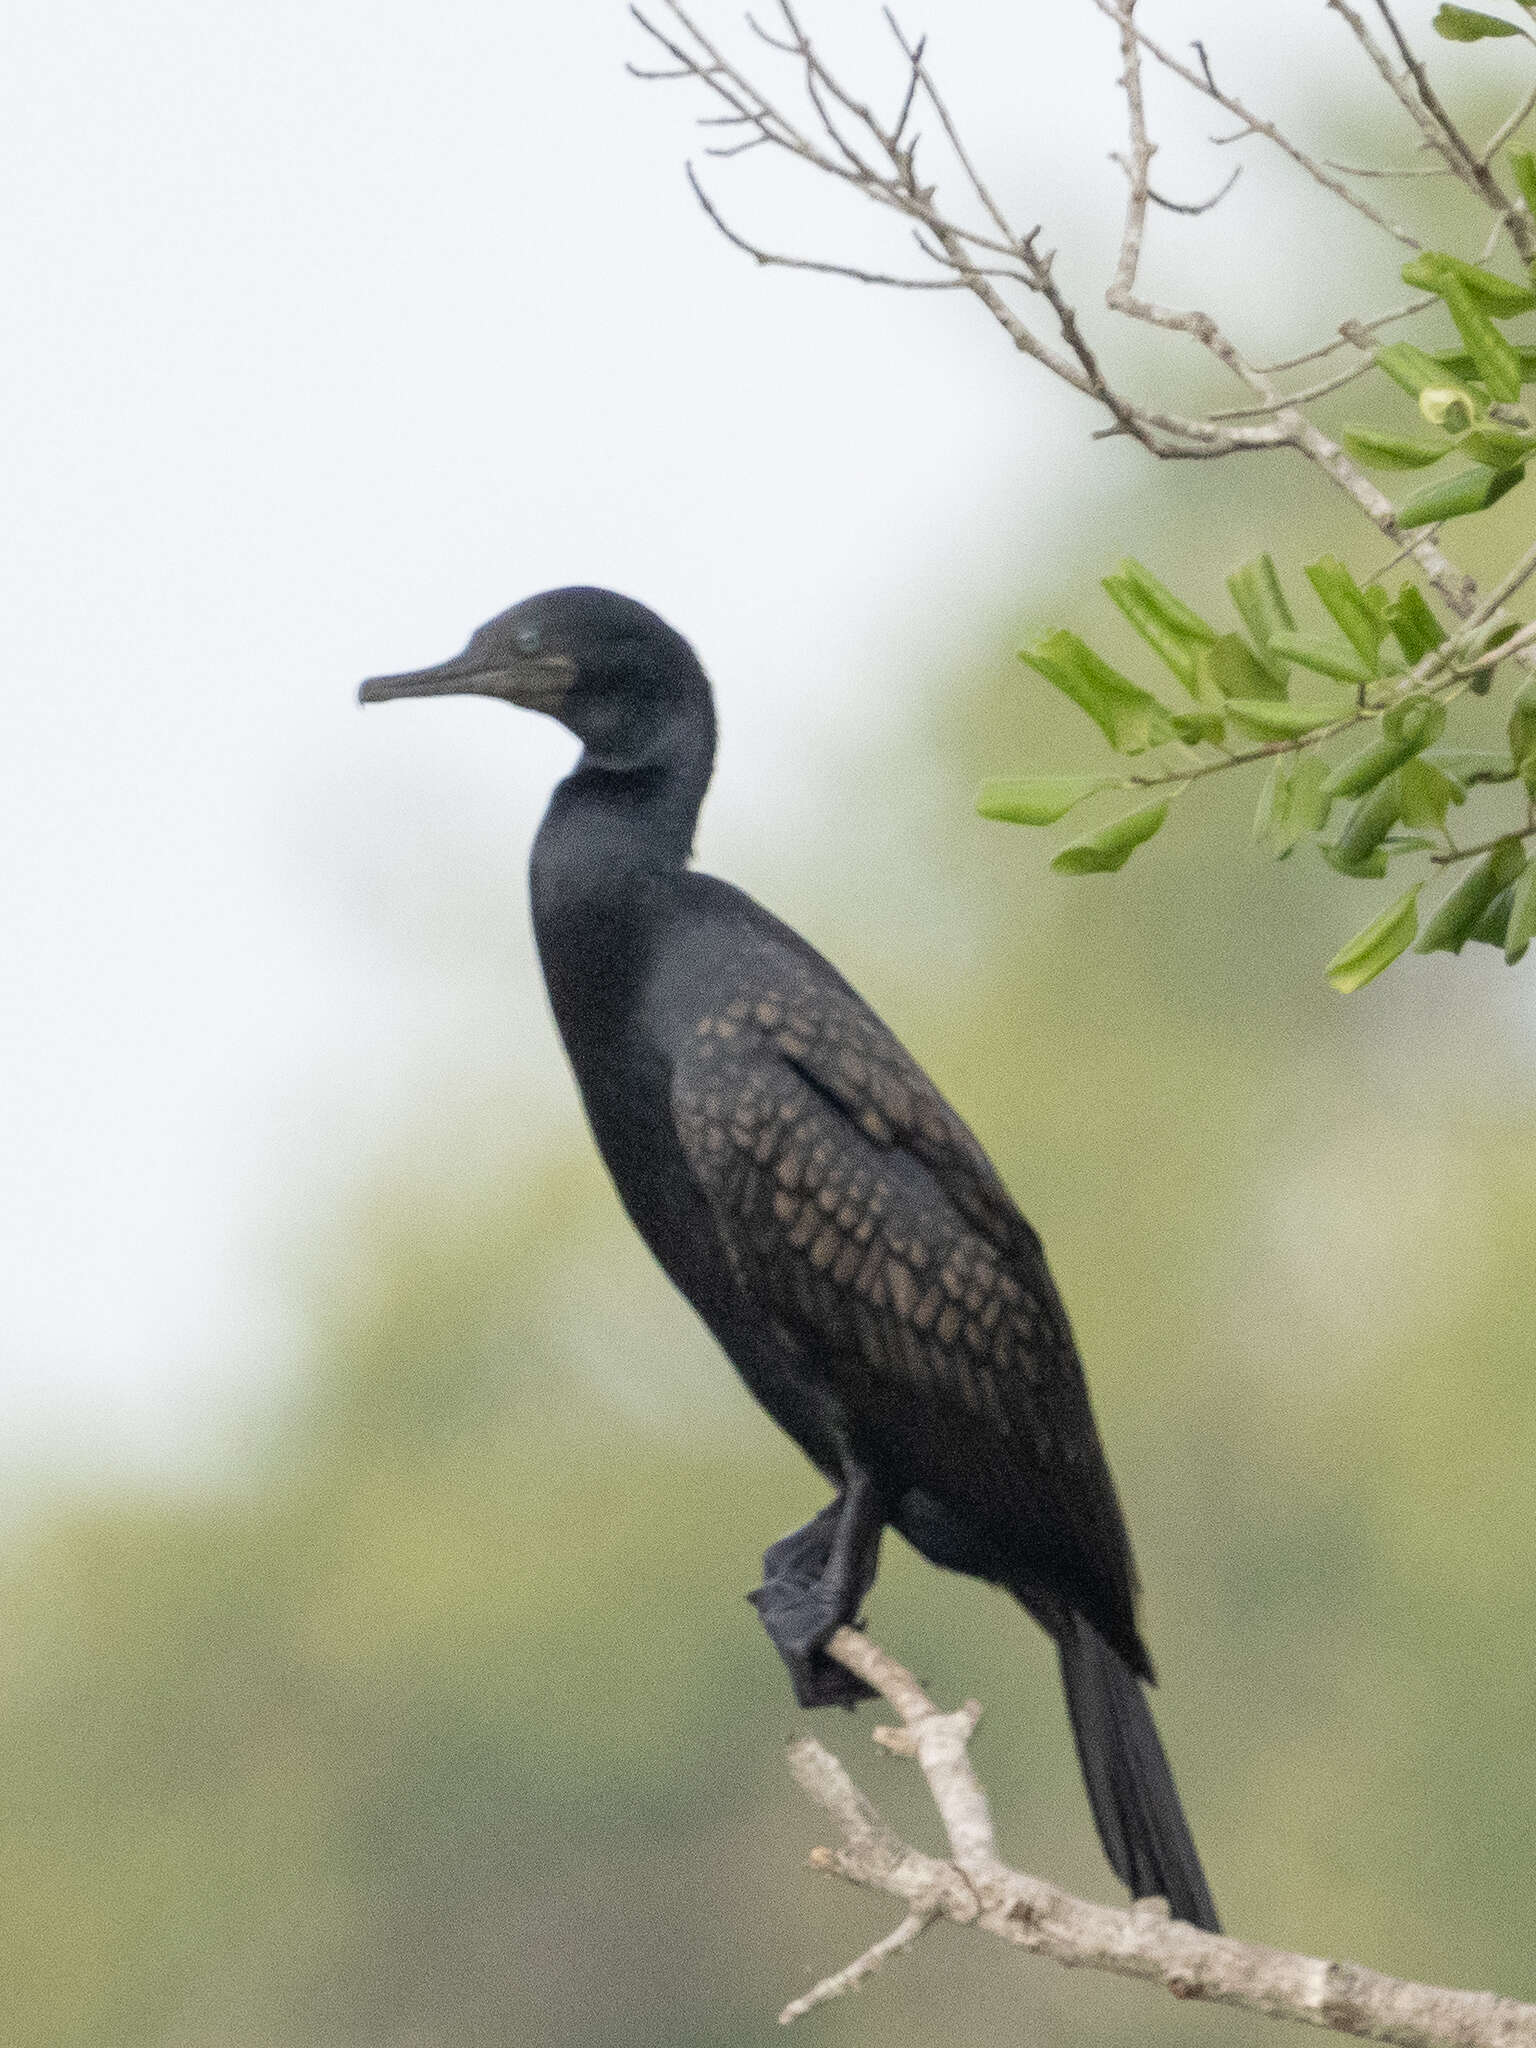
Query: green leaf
x=1269 y=820
x=1391 y=451
x=1102 y=853
x=1194 y=726
x=1497 y=447
x=1457 y=363
x=1230 y=668
x=1310 y=801
x=1425 y=377
x=1492 y=927
x=1157 y=597
x=1500 y=295
x=1173 y=632
x=1039 y=799
x=1521 y=928
x=1360 y=615
x=1369 y=822
x=1414 y=368
x=1467 y=25
x=1130 y=718
x=1416 y=629
x=1363 y=771
x=1427 y=795
x=1292 y=805
x=1470 y=490
x=1497 y=363
x=1370 y=868
x=1324 y=657
x=1407 y=729
x=1523 y=164
x=1522 y=732
x=1453 y=923
x=1262 y=607
x=1375 y=948
x=1414 y=723
x=1267 y=719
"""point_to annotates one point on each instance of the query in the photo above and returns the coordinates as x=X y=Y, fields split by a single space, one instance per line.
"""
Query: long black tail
x=1130 y=1787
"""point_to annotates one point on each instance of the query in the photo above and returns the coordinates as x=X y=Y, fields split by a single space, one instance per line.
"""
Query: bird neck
x=617 y=830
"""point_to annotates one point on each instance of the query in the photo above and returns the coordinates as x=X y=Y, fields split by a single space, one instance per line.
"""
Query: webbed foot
x=814 y=1582
x=798 y=1625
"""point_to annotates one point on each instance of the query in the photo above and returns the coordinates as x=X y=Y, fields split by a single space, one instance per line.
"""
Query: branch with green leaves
x=1352 y=725
x=1393 y=665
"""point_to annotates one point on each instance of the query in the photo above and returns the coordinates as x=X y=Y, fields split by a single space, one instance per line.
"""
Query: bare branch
x=1503 y=591
x=1429 y=99
x=951 y=133
x=1402 y=555
x=1506 y=129
x=1456 y=854
x=1347 y=332
x=1254 y=124
x=1319 y=390
x=974 y=1888
x=1416 y=94
x=1389 y=170
x=1399 y=86
x=769 y=259
x=850 y=1978
x=1457 y=589
x=1122 y=295
x=987 y=261
x=1200 y=206
x=994 y=261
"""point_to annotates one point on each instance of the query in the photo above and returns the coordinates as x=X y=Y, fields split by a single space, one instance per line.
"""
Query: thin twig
x=1503 y=591
x=1457 y=854
x=1389 y=170
x=770 y=259
x=1506 y=129
x=1404 y=552
x=1318 y=390
x=896 y=1943
x=1198 y=206
x=1329 y=348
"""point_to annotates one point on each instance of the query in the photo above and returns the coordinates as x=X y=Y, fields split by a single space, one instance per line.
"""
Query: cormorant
x=829 y=1216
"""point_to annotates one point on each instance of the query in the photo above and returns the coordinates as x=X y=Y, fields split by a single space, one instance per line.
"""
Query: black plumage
x=827 y=1213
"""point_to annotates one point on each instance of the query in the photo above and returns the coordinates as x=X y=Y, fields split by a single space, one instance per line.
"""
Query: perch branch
x=974 y=1888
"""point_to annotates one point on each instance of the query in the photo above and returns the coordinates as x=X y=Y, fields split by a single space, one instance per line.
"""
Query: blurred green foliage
x=441 y=1721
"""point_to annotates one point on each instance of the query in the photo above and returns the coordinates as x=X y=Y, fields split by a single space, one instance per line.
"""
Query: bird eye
x=529 y=639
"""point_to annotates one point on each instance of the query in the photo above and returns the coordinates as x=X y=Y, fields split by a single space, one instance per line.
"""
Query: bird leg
x=814 y=1581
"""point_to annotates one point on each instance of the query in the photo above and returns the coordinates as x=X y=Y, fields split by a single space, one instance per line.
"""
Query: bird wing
x=862 y=1216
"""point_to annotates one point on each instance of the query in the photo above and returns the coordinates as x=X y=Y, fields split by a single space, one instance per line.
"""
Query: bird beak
x=539 y=682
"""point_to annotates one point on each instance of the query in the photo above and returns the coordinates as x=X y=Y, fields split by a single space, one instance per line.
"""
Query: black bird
x=830 y=1217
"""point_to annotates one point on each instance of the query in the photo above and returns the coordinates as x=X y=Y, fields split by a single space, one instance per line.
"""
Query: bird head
x=609 y=669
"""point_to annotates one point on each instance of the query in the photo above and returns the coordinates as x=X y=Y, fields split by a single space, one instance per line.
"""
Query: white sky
x=330 y=329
